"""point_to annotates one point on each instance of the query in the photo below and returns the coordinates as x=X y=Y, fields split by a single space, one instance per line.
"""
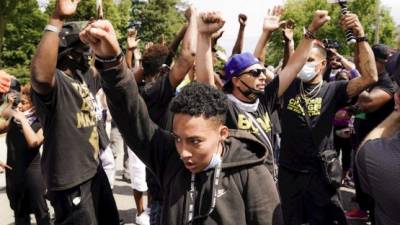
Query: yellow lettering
x=243 y=122
x=80 y=119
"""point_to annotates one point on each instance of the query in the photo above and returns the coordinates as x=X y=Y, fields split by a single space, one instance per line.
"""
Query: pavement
x=122 y=194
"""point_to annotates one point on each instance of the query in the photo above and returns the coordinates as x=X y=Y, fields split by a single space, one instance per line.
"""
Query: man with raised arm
x=251 y=101
x=309 y=106
x=78 y=188
x=209 y=175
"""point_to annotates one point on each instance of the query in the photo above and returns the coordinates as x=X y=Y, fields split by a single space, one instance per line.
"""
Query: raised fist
x=351 y=21
x=319 y=19
x=65 y=8
x=209 y=22
x=242 y=19
x=101 y=38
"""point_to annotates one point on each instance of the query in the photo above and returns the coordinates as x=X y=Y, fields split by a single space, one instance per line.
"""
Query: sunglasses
x=254 y=72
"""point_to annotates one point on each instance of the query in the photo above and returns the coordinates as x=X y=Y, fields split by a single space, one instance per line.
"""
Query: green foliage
x=301 y=11
x=158 y=17
x=118 y=14
x=21 y=72
x=23 y=30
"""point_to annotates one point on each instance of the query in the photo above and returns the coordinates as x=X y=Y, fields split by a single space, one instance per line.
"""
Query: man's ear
x=224 y=132
x=235 y=81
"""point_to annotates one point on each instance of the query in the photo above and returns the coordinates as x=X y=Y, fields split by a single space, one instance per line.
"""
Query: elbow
x=188 y=54
x=34 y=144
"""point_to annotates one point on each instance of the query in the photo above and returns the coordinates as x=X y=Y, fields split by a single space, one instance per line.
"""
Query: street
x=122 y=193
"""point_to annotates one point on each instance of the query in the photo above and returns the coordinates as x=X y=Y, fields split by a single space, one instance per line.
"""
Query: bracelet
x=309 y=35
x=362 y=39
x=109 y=60
x=52 y=28
x=103 y=64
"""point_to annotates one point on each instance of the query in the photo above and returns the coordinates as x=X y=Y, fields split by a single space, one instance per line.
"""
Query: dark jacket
x=247 y=193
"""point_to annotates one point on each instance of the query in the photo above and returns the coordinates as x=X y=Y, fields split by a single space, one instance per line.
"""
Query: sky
x=255 y=11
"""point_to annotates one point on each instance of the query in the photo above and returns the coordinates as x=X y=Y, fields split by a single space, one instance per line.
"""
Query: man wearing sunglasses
x=251 y=99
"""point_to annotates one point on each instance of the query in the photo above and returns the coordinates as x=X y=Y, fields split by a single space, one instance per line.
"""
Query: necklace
x=312 y=93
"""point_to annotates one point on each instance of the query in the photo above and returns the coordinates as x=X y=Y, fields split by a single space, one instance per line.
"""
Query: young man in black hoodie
x=209 y=175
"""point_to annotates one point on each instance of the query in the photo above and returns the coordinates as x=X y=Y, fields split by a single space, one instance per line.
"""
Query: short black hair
x=153 y=58
x=197 y=99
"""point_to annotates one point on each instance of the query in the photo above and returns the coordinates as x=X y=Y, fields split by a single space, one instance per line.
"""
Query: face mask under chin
x=250 y=93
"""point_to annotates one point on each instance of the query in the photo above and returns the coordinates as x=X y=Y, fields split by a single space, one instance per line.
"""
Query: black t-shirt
x=19 y=155
x=375 y=118
x=378 y=170
x=71 y=144
x=239 y=119
x=298 y=151
x=93 y=82
x=158 y=96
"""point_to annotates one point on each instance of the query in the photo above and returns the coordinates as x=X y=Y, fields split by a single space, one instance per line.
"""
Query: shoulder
x=372 y=150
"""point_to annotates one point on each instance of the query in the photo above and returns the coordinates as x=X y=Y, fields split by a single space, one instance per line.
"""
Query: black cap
x=69 y=37
x=381 y=51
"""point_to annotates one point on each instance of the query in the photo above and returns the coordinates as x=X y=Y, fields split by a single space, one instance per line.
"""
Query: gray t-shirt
x=378 y=164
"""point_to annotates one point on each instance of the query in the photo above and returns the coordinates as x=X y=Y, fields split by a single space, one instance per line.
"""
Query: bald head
x=321 y=52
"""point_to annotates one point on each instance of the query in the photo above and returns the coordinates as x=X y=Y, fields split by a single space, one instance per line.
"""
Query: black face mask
x=250 y=92
x=76 y=61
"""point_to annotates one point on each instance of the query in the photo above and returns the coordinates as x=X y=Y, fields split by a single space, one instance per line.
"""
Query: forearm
x=288 y=52
x=129 y=57
x=386 y=129
x=128 y=110
x=347 y=64
x=367 y=62
x=295 y=64
x=259 y=51
x=204 y=64
x=44 y=61
x=4 y=126
x=367 y=68
x=187 y=55
x=173 y=46
x=237 y=48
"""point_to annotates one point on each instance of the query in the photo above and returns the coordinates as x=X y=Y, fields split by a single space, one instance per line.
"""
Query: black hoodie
x=246 y=194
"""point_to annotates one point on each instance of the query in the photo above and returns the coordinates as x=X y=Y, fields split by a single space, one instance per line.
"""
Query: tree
x=301 y=12
x=157 y=17
x=7 y=9
x=22 y=33
x=118 y=14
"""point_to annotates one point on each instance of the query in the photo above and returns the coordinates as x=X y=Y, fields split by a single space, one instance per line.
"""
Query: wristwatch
x=361 y=39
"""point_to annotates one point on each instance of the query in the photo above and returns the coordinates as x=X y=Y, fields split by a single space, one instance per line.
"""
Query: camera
x=17 y=100
x=330 y=43
x=135 y=24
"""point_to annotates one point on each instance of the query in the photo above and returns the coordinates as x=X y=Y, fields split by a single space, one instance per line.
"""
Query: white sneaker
x=143 y=219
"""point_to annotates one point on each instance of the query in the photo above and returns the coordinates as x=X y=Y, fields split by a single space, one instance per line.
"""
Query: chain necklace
x=312 y=93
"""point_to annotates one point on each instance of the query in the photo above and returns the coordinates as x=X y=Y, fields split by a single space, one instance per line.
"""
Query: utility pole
x=378 y=21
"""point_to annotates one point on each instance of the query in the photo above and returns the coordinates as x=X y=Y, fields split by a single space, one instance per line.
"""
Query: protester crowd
x=249 y=144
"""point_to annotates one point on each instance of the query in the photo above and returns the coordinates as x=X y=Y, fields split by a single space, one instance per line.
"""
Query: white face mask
x=308 y=72
x=215 y=160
